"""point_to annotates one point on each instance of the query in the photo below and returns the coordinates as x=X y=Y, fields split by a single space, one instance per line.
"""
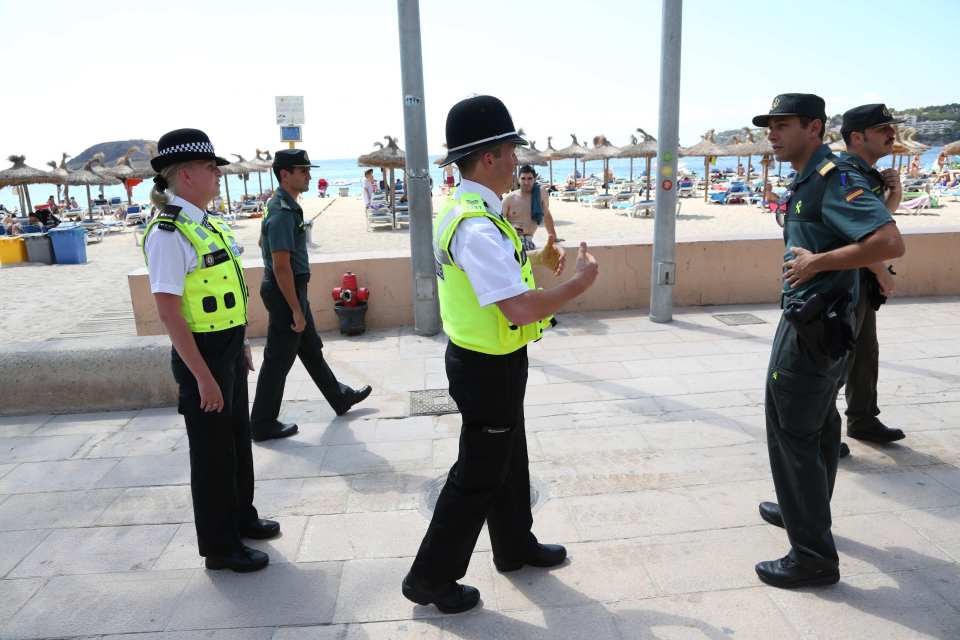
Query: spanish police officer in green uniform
x=290 y=332
x=869 y=132
x=491 y=309
x=197 y=281
x=832 y=225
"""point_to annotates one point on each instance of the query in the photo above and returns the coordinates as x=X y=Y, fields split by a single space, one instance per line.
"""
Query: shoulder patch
x=169 y=212
x=167 y=226
x=471 y=205
x=826 y=167
x=853 y=195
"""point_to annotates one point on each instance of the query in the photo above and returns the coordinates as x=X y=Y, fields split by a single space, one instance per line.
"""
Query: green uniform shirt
x=850 y=211
x=282 y=230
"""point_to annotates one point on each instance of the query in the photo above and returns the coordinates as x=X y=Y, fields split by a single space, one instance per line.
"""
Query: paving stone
x=288 y=594
x=100 y=604
x=35 y=448
x=145 y=471
x=159 y=419
x=62 y=475
x=209 y=634
x=14 y=594
x=370 y=589
x=150 y=505
x=939 y=526
x=182 y=551
x=89 y=423
x=549 y=623
x=287 y=461
x=347 y=536
x=594 y=572
x=687 y=562
x=16 y=546
x=387 y=491
x=11 y=426
x=96 y=550
x=55 y=510
x=630 y=515
x=378 y=456
x=137 y=443
x=694 y=434
x=882 y=542
x=876 y=492
x=393 y=630
x=7 y=468
x=870 y=606
x=745 y=614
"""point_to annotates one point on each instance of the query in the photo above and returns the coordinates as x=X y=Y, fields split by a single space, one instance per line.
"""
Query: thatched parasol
x=530 y=156
x=952 y=149
x=233 y=169
x=386 y=157
x=647 y=148
x=707 y=148
x=88 y=176
x=550 y=154
x=833 y=140
x=749 y=146
x=20 y=175
x=574 y=151
x=603 y=149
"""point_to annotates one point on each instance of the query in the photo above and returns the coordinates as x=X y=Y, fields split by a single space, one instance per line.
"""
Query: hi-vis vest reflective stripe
x=466 y=323
x=215 y=293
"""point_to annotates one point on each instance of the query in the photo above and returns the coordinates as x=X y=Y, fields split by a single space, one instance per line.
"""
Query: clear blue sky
x=81 y=73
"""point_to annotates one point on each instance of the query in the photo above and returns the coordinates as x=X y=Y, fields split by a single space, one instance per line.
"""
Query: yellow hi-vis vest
x=215 y=293
x=466 y=323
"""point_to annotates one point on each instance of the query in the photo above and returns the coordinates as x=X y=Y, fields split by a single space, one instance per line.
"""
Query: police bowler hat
x=866 y=117
x=794 y=104
x=475 y=123
x=184 y=145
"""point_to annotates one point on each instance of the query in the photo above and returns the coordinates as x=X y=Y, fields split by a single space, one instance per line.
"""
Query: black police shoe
x=874 y=431
x=770 y=512
x=844 y=450
x=352 y=397
x=542 y=555
x=245 y=560
x=272 y=430
x=786 y=573
x=449 y=598
x=260 y=529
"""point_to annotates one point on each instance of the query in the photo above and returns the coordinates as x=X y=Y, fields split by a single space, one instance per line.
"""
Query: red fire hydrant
x=350 y=305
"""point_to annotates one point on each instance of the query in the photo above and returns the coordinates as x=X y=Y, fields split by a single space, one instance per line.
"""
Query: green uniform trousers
x=863 y=365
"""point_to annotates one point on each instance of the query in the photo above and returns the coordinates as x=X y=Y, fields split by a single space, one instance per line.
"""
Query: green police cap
x=794 y=104
x=290 y=158
x=866 y=117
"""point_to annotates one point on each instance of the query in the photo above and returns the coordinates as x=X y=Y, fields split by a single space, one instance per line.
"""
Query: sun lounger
x=915 y=205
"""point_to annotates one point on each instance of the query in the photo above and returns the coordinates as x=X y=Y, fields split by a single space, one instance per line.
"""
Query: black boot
x=873 y=430
x=449 y=598
x=352 y=397
x=244 y=560
x=770 y=512
x=272 y=430
x=786 y=573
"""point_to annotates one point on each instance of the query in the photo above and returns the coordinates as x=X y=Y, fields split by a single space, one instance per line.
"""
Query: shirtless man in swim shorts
x=517 y=207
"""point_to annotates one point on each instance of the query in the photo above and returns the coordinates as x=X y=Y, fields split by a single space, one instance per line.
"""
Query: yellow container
x=12 y=250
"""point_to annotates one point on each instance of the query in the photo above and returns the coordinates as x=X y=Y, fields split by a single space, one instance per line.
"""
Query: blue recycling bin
x=69 y=244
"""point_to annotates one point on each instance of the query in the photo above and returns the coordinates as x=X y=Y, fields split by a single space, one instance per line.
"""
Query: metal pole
x=663 y=268
x=426 y=309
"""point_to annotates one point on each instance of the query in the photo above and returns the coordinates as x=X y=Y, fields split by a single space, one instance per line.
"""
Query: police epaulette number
x=169 y=212
x=167 y=226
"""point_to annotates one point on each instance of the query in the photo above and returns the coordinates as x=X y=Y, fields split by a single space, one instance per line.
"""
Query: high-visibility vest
x=215 y=292
x=466 y=323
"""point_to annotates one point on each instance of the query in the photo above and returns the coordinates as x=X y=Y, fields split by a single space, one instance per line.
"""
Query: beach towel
x=536 y=205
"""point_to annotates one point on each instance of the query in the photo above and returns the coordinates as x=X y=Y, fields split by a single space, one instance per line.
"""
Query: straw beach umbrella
x=647 y=148
x=603 y=149
x=232 y=169
x=572 y=151
x=550 y=154
x=707 y=148
x=952 y=149
x=750 y=146
x=87 y=176
x=20 y=175
x=386 y=157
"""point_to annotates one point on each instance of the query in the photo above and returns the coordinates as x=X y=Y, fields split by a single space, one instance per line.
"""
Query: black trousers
x=283 y=346
x=863 y=366
x=803 y=440
x=221 y=460
x=490 y=479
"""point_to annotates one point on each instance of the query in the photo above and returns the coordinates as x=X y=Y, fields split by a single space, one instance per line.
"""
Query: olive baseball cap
x=794 y=104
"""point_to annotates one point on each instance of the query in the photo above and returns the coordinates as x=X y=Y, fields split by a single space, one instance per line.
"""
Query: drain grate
x=431 y=491
x=432 y=402
x=736 y=319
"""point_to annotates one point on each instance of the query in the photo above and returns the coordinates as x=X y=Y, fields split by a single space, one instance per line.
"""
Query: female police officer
x=198 y=284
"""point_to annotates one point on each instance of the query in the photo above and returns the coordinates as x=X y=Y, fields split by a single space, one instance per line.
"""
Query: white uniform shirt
x=170 y=256
x=368 y=190
x=484 y=253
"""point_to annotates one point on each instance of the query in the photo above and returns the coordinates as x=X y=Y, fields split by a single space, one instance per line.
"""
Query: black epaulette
x=169 y=212
x=167 y=226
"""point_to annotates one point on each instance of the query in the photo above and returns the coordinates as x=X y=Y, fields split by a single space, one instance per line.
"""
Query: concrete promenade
x=648 y=453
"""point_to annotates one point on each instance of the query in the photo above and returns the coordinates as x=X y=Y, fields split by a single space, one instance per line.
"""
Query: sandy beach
x=58 y=301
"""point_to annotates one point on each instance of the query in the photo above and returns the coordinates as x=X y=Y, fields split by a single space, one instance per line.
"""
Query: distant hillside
x=111 y=151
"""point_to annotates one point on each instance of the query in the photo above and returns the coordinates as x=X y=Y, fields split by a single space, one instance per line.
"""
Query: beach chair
x=378 y=214
x=134 y=215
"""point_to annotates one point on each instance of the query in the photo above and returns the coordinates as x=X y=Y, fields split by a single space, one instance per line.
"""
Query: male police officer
x=491 y=309
x=832 y=225
x=869 y=132
x=290 y=333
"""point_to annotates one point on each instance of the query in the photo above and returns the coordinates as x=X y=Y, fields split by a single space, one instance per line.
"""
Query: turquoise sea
x=346 y=170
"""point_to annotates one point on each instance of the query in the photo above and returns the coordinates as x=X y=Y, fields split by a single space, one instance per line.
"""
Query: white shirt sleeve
x=170 y=257
x=487 y=257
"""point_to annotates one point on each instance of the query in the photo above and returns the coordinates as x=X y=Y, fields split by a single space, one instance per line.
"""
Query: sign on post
x=290 y=134
x=290 y=111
